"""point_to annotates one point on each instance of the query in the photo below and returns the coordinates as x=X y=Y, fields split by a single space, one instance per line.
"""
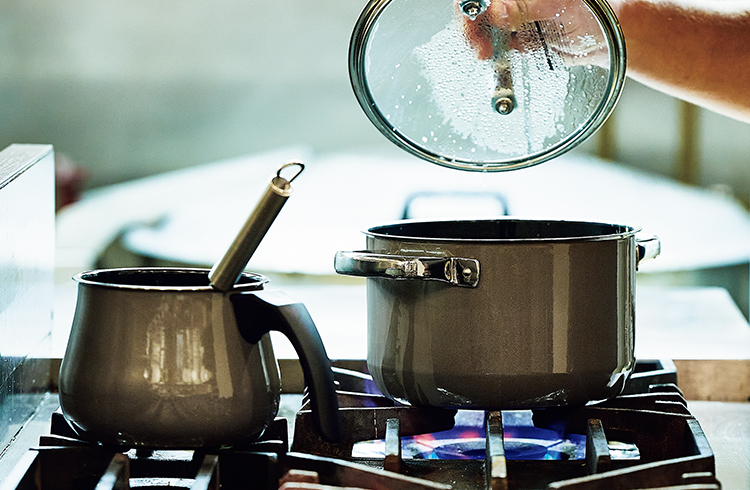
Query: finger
x=482 y=31
x=478 y=32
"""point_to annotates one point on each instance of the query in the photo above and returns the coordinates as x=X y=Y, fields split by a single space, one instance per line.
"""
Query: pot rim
x=252 y=281
x=375 y=231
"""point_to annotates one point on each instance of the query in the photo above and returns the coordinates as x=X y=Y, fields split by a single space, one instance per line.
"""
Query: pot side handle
x=649 y=247
x=259 y=312
x=453 y=270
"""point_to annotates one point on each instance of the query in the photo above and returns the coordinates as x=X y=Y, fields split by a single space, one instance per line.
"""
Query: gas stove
x=644 y=439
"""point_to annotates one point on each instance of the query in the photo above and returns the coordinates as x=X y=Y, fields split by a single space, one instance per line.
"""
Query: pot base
x=166 y=422
x=510 y=392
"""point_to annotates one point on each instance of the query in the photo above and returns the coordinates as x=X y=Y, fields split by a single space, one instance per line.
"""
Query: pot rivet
x=466 y=273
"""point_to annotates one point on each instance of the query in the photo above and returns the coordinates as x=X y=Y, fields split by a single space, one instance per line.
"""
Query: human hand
x=565 y=28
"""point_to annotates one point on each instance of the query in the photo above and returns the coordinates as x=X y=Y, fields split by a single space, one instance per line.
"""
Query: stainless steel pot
x=159 y=358
x=501 y=313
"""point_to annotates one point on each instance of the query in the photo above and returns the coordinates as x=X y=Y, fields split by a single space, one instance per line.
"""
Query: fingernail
x=504 y=10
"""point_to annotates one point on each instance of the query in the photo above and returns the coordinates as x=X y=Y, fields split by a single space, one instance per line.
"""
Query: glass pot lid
x=487 y=85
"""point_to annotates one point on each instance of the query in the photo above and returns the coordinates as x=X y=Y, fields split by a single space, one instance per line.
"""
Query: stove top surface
x=647 y=438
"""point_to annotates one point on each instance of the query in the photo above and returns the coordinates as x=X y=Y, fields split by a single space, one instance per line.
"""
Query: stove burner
x=475 y=449
x=467 y=440
x=646 y=438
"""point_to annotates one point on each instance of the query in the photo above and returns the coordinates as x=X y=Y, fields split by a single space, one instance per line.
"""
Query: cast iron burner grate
x=664 y=444
x=650 y=420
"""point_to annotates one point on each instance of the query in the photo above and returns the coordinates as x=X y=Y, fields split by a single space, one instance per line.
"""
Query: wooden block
x=27 y=249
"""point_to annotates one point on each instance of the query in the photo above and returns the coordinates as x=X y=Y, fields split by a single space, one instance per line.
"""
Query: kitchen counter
x=727 y=427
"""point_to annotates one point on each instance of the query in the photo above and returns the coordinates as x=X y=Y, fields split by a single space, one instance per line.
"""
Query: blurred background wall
x=129 y=89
